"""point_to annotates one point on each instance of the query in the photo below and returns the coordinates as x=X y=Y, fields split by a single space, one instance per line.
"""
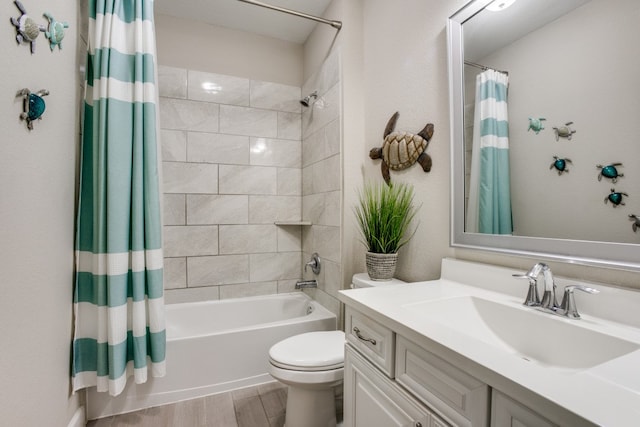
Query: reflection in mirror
x=544 y=122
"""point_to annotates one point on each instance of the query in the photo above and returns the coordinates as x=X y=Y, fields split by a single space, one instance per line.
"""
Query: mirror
x=568 y=61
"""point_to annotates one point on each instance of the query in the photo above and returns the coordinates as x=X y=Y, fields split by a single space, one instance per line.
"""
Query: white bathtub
x=217 y=346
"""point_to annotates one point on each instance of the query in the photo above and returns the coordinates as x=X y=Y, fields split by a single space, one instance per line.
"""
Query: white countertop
x=607 y=394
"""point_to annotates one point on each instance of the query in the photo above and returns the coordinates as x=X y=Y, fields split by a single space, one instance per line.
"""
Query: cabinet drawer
x=370 y=338
x=507 y=412
x=457 y=395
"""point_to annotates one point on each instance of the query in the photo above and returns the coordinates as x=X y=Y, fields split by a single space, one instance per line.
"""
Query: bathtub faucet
x=307 y=284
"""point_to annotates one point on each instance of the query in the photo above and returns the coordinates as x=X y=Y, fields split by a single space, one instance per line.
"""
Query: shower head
x=309 y=99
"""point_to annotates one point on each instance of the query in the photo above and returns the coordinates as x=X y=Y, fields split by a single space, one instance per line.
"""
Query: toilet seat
x=307 y=379
x=312 y=351
x=306 y=368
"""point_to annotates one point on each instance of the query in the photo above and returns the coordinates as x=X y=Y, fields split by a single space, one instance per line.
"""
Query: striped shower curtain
x=118 y=298
x=489 y=205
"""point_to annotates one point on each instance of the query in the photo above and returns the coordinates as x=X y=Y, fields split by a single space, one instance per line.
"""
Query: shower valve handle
x=314 y=263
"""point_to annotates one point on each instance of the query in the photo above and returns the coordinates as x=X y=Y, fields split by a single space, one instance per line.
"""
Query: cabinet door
x=371 y=399
x=506 y=412
x=461 y=398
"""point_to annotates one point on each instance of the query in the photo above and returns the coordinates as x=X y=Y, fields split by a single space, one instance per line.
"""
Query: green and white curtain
x=489 y=204
x=118 y=298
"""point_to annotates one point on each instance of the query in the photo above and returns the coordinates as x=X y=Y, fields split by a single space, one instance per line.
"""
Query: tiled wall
x=322 y=180
x=232 y=160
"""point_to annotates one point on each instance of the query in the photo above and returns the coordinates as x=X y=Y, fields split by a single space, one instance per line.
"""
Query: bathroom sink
x=529 y=334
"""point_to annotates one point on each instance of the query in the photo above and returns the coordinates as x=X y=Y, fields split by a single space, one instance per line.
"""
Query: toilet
x=312 y=366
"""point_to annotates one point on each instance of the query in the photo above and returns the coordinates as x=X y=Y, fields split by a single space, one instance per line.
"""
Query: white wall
x=37 y=197
x=198 y=46
x=405 y=63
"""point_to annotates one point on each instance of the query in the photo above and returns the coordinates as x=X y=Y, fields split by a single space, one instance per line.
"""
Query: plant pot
x=381 y=266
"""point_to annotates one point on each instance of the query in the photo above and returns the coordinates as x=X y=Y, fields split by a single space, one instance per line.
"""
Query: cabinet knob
x=418 y=424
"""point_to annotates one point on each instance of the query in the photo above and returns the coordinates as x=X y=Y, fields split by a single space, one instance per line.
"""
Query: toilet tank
x=362 y=280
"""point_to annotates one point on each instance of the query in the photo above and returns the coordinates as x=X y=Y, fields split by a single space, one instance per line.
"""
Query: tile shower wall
x=322 y=180
x=232 y=160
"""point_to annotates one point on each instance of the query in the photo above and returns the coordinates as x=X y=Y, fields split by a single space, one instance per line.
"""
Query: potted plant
x=384 y=214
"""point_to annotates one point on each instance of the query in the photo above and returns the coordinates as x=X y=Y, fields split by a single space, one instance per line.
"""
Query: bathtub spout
x=307 y=284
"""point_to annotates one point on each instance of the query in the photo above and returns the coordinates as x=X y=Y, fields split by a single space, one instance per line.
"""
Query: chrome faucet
x=568 y=307
x=549 y=303
x=533 y=299
x=307 y=284
x=549 y=300
x=549 y=295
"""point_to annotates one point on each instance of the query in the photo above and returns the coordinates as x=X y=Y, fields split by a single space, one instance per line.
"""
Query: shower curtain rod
x=484 y=67
x=334 y=24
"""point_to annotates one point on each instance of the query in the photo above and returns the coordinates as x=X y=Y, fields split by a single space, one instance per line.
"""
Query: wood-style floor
x=259 y=406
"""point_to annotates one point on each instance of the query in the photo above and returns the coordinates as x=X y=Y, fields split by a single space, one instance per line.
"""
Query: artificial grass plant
x=384 y=214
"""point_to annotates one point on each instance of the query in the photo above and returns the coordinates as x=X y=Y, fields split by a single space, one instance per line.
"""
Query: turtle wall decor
x=564 y=131
x=560 y=164
x=610 y=171
x=402 y=149
x=636 y=222
x=26 y=28
x=615 y=197
x=55 y=31
x=33 y=105
x=535 y=124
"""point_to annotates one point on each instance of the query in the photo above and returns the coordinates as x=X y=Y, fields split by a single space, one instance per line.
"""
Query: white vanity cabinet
x=390 y=380
x=465 y=349
x=372 y=399
x=373 y=396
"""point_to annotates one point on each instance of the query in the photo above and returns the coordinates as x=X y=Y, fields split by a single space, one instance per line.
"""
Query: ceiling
x=489 y=31
x=247 y=17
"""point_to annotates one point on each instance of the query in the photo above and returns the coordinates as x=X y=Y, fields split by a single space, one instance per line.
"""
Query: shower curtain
x=118 y=297
x=489 y=204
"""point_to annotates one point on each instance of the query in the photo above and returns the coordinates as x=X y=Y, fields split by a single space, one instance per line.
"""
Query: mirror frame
x=625 y=256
